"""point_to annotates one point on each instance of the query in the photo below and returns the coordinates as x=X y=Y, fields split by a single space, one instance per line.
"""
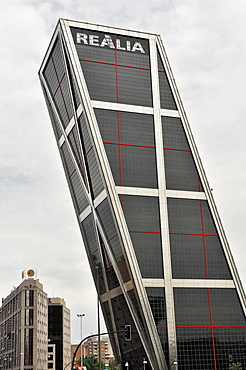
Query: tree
x=91 y=363
x=235 y=366
x=113 y=365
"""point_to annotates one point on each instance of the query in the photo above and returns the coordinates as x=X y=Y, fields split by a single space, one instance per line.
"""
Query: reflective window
x=142 y=217
x=198 y=257
x=157 y=303
x=28 y=347
x=211 y=328
x=75 y=143
x=190 y=216
x=196 y=250
x=131 y=156
x=74 y=180
x=29 y=297
x=53 y=117
x=28 y=316
x=112 y=279
x=131 y=350
x=166 y=95
x=55 y=75
x=93 y=169
x=116 y=74
x=113 y=239
x=180 y=168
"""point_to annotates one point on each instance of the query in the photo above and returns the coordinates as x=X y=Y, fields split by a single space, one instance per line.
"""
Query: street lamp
x=144 y=363
x=68 y=364
x=98 y=318
x=175 y=362
x=81 y=315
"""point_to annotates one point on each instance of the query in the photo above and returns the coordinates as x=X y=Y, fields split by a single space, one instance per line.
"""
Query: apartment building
x=26 y=340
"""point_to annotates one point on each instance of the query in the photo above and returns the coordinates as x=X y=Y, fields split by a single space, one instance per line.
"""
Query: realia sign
x=106 y=41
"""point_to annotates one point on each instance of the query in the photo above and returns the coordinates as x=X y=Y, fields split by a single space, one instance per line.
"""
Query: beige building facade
x=24 y=328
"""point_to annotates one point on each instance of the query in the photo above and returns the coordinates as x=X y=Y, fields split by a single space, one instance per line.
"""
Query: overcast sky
x=205 y=43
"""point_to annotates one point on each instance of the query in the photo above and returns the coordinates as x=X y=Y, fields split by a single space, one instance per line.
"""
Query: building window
x=29 y=294
x=28 y=316
x=28 y=347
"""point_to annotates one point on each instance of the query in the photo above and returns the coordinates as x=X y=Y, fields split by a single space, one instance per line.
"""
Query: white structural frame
x=111 y=192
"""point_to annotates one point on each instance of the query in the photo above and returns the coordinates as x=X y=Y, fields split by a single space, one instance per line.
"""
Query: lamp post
x=81 y=315
x=175 y=362
x=68 y=364
x=98 y=320
x=144 y=363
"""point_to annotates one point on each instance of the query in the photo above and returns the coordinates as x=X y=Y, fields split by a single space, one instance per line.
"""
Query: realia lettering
x=107 y=42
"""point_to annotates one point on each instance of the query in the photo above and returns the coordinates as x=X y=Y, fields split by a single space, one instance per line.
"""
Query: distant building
x=51 y=356
x=24 y=328
x=78 y=354
x=59 y=331
x=91 y=348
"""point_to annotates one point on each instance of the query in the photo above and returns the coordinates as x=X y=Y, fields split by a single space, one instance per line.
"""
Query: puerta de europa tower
x=149 y=223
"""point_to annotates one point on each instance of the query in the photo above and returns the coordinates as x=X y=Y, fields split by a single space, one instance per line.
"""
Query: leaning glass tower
x=149 y=223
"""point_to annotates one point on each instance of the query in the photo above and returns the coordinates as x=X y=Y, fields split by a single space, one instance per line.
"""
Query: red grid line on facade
x=71 y=174
x=118 y=120
x=182 y=150
x=212 y=328
x=124 y=144
x=145 y=146
x=146 y=232
x=95 y=250
x=88 y=151
x=204 y=240
x=193 y=234
x=120 y=151
x=80 y=163
x=110 y=267
x=121 y=177
x=116 y=72
x=113 y=64
x=60 y=88
x=59 y=84
x=112 y=237
x=207 y=277
x=76 y=146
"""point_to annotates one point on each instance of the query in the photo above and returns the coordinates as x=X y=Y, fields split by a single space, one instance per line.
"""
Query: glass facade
x=125 y=74
x=155 y=244
x=215 y=317
x=29 y=296
x=55 y=332
x=132 y=157
x=28 y=347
